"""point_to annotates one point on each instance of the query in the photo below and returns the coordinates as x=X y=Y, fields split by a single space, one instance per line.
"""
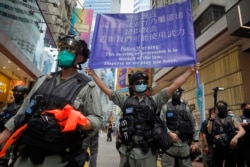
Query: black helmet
x=75 y=44
x=138 y=75
x=20 y=88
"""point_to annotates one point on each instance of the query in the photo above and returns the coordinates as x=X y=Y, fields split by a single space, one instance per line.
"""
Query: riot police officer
x=43 y=142
x=19 y=93
x=138 y=118
x=179 y=120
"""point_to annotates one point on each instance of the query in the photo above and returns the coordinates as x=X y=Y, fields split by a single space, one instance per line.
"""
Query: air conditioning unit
x=238 y=19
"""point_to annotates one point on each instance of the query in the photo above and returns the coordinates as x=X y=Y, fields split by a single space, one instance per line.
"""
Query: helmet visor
x=70 y=45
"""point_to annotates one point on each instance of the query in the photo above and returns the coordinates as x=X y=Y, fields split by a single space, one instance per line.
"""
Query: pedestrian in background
x=207 y=141
x=231 y=113
x=179 y=120
x=43 y=143
x=137 y=122
x=109 y=133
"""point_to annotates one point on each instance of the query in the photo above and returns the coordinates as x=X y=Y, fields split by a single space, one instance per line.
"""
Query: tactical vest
x=9 y=112
x=58 y=95
x=226 y=127
x=137 y=122
x=43 y=134
x=12 y=109
x=141 y=126
x=226 y=132
x=175 y=115
x=143 y=112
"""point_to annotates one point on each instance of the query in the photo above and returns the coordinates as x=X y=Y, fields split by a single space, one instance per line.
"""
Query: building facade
x=223 y=49
x=29 y=31
x=141 y=5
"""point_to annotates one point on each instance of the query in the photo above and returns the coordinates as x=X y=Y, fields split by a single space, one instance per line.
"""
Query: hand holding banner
x=162 y=37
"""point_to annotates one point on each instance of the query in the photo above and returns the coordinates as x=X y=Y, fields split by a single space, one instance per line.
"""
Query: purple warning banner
x=163 y=37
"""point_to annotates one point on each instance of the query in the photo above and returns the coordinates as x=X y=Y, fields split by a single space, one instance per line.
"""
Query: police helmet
x=20 y=88
x=74 y=44
x=136 y=76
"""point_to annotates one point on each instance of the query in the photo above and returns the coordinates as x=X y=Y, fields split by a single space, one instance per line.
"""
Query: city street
x=109 y=157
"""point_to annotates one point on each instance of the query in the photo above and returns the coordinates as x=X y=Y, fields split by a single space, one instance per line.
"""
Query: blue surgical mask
x=232 y=115
x=66 y=59
x=141 y=88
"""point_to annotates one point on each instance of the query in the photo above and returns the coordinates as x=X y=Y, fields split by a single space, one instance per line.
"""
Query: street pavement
x=109 y=157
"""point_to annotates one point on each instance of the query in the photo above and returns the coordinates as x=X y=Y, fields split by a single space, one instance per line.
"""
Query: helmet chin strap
x=79 y=66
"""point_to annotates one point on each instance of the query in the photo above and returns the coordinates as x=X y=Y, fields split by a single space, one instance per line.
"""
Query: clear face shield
x=70 y=44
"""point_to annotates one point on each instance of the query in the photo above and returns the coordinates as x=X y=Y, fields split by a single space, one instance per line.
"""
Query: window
x=208 y=18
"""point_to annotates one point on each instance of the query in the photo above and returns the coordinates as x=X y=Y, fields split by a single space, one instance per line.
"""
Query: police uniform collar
x=140 y=98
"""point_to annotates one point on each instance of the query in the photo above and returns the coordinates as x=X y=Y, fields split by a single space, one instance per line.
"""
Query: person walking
x=178 y=118
x=66 y=94
x=223 y=128
x=109 y=133
x=137 y=147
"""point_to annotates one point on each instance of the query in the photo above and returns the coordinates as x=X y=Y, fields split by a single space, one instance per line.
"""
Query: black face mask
x=222 y=111
x=246 y=112
x=18 y=97
x=176 y=98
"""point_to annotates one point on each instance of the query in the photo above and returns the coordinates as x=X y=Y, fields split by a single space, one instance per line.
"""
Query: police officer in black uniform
x=139 y=130
x=19 y=93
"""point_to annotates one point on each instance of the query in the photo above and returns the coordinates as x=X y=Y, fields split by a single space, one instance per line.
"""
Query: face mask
x=222 y=111
x=176 y=95
x=18 y=97
x=232 y=115
x=246 y=112
x=66 y=59
x=140 y=88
